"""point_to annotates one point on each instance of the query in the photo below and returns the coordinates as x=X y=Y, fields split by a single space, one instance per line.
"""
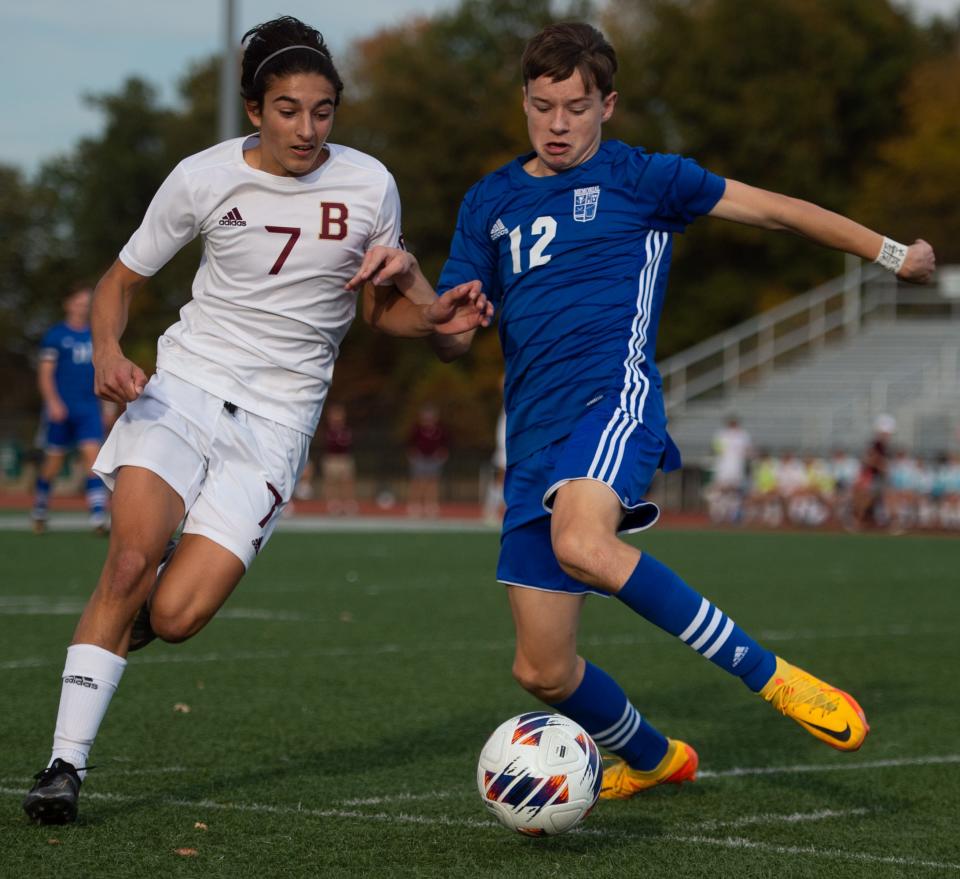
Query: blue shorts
x=607 y=445
x=80 y=426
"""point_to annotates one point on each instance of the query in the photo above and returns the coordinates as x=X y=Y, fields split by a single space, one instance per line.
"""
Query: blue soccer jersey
x=72 y=351
x=576 y=265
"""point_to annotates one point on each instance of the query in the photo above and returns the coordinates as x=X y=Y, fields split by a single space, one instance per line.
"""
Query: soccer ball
x=539 y=773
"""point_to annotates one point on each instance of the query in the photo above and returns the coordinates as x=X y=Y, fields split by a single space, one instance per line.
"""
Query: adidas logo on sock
x=81 y=681
x=232 y=218
x=738 y=654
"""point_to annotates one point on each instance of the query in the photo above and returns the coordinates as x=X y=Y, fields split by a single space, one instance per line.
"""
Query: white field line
x=404 y=798
x=772 y=818
x=201 y=806
x=891 y=763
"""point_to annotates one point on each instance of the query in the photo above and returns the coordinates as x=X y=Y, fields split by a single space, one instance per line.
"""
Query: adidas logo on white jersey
x=232 y=218
x=738 y=654
x=498 y=230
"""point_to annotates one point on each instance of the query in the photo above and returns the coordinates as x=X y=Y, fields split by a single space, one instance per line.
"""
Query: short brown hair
x=559 y=49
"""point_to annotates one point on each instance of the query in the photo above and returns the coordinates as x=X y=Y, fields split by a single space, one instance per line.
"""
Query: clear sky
x=53 y=52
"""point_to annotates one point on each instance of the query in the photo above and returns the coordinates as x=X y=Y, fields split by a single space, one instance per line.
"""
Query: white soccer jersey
x=269 y=308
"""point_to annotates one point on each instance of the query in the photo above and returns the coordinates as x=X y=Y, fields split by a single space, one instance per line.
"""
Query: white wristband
x=891 y=255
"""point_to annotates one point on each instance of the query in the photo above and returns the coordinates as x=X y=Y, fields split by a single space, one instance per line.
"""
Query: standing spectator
x=427 y=452
x=868 y=491
x=339 y=468
x=732 y=447
x=72 y=417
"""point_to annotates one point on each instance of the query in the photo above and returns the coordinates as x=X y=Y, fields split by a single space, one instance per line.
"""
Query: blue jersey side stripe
x=624 y=421
x=655 y=245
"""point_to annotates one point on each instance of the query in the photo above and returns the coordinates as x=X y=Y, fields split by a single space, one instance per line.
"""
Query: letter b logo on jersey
x=333 y=220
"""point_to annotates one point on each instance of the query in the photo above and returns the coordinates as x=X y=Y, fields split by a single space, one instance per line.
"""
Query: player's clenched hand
x=383 y=265
x=118 y=379
x=462 y=308
x=920 y=263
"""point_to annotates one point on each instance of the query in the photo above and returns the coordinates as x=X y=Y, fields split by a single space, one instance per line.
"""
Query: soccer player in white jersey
x=572 y=243
x=217 y=437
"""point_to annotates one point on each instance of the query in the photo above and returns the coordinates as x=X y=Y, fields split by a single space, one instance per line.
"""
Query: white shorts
x=234 y=470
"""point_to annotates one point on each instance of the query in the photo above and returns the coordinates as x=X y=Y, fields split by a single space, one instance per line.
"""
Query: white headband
x=256 y=72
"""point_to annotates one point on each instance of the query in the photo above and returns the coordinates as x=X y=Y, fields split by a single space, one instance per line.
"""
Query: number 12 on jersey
x=544 y=229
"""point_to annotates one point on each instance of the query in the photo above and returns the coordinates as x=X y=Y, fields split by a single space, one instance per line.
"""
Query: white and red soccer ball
x=539 y=773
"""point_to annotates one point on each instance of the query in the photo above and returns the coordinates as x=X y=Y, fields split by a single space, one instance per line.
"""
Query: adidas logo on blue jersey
x=232 y=218
x=497 y=230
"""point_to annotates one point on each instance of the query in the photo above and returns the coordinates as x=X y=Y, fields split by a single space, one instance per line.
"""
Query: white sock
x=90 y=679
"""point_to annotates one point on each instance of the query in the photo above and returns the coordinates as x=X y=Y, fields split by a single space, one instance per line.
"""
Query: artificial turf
x=328 y=722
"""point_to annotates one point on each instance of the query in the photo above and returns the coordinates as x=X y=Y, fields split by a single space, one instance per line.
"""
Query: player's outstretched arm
x=771 y=210
x=460 y=310
x=450 y=321
x=115 y=377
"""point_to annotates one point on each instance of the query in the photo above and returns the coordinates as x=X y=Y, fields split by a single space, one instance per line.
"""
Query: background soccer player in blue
x=72 y=417
x=572 y=243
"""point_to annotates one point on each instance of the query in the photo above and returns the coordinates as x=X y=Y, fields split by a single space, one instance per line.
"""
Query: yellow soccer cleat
x=831 y=715
x=679 y=764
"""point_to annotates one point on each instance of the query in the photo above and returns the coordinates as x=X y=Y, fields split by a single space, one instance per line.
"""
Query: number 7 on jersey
x=294 y=233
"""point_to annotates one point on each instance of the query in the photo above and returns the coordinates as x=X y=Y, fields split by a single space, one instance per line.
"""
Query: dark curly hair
x=267 y=53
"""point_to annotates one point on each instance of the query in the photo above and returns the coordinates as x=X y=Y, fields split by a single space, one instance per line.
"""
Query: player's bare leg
x=200 y=577
x=546 y=663
x=583 y=528
x=146 y=511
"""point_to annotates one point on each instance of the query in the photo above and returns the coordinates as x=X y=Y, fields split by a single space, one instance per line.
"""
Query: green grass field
x=339 y=702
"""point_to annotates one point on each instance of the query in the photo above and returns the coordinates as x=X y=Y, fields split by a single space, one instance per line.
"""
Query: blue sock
x=41 y=499
x=603 y=710
x=96 y=495
x=659 y=595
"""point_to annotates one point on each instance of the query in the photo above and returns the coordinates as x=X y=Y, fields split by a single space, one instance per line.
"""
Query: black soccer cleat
x=53 y=799
x=142 y=632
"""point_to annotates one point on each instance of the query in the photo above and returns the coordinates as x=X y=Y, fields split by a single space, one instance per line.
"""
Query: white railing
x=721 y=363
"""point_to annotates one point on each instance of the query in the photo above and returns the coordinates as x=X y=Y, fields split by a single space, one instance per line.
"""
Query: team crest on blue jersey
x=585 y=203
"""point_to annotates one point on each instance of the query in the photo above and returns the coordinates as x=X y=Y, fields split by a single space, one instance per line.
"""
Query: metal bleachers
x=814 y=376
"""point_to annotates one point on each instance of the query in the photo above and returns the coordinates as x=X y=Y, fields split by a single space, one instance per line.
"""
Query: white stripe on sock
x=634 y=726
x=727 y=629
x=714 y=622
x=697 y=620
x=613 y=730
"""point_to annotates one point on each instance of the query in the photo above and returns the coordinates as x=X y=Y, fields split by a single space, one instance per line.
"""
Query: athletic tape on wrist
x=892 y=255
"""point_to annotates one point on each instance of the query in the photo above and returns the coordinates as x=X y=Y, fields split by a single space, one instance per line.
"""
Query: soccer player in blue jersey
x=572 y=243
x=72 y=417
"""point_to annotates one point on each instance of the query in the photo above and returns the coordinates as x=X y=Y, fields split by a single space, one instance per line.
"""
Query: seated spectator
x=763 y=500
